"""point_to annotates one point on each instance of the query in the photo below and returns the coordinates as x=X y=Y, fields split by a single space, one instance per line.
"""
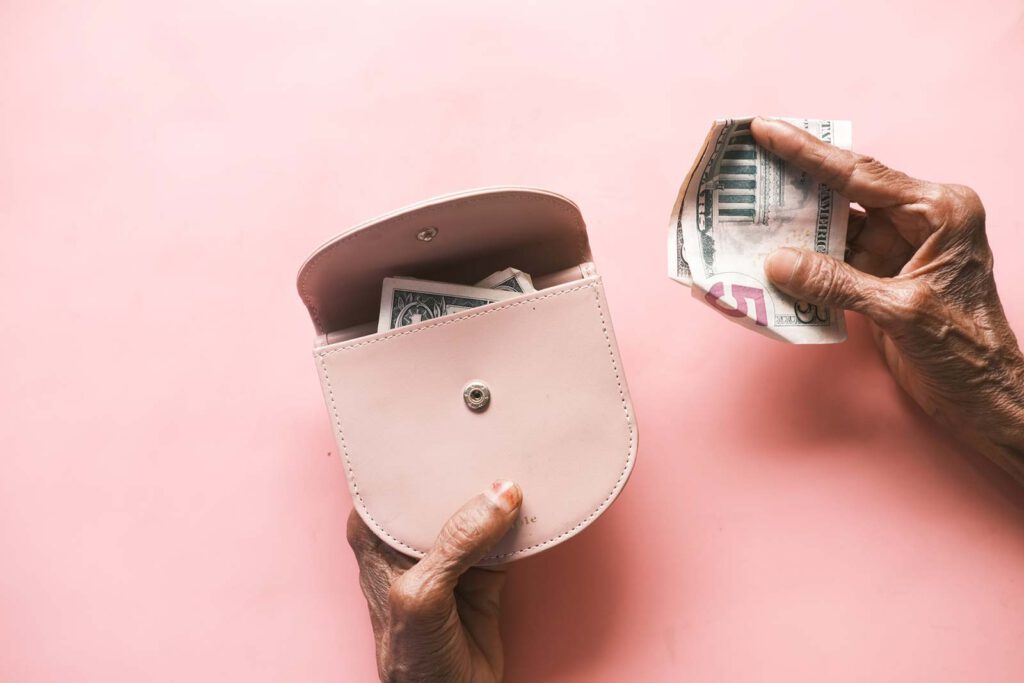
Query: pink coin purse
x=529 y=389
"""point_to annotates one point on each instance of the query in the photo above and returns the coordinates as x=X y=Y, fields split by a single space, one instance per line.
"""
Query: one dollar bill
x=406 y=301
x=737 y=205
x=510 y=279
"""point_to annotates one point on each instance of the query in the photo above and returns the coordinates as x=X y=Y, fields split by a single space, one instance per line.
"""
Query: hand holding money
x=740 y=203
x=920 y=269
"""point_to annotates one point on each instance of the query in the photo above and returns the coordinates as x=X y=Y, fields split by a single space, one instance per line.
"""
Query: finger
x=820 y=279
x=464 y=540
x=478 y=600
x=379 y=565
x=878 y=336
x=359 y=536
x=481 y=589
x=368 y=547
x=857 y=177
x=855 y=223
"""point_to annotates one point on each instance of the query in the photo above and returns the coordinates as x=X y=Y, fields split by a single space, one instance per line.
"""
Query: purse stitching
x=581 y=239
x=518 y=302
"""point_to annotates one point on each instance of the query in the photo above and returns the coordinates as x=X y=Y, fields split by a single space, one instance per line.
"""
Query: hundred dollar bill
x=510 y=279
x=737 y=205
x=405 y=301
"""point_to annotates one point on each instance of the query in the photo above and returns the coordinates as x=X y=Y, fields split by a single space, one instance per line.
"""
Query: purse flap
x=459 y=238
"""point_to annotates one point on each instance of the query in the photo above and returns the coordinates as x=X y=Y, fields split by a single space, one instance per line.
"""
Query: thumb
x=820 y=279
x=464 y=540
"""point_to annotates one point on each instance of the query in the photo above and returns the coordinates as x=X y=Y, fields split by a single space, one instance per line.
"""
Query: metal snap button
x=427 y=234
x=477 y=395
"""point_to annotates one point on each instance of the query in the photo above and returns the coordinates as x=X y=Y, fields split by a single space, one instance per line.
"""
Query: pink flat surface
x=167 y=513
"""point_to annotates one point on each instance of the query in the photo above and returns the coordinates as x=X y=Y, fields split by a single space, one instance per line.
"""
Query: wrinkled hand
x=437 y=619
x=919 y=266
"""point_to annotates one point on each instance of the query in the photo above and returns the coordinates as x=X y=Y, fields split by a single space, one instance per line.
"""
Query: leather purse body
x=559 y=421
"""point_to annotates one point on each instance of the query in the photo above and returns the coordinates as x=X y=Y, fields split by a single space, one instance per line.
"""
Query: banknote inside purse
x=540 y=282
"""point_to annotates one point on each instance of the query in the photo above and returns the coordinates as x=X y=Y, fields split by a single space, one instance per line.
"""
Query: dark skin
x=437 y=619
x=918 y=266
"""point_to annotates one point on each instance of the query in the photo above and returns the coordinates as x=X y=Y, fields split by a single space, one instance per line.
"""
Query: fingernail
x=505 y=494
x=781 y=265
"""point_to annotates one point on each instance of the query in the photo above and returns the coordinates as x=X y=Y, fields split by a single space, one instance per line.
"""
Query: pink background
x=169 y=510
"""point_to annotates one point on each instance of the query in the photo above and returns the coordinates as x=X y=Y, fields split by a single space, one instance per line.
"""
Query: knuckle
x=393 y=672
x=833 y=283
x=957 y=206
x=875 y=172
x=968 y=202
x=464 y=532
x=919 y=299
x=871 y=171
x=870 y=168
x=966 y=196
x=864 y=162
x=418 y=597
x=935 y=194
x=823 y=280
x=406 y=596
x=834 y=167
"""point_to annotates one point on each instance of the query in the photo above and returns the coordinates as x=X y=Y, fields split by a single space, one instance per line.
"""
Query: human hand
x=919 y=267
x=437 y=619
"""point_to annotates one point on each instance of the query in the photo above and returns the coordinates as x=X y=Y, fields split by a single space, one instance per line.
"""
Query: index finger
x=857 y=177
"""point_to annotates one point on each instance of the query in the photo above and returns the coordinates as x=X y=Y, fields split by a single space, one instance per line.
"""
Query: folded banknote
x=405 y=300
x=737 y=205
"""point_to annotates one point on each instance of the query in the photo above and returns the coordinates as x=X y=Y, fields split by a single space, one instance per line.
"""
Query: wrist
x=1014 y=436
x=1000 y=432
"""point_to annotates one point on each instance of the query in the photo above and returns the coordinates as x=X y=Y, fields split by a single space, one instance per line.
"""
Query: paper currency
x=405 y=301
x=510 y=279
x=560 y=277
x=737 y=205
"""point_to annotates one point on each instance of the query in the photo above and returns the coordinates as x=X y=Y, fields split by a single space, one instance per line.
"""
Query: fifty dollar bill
x=737 y=205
